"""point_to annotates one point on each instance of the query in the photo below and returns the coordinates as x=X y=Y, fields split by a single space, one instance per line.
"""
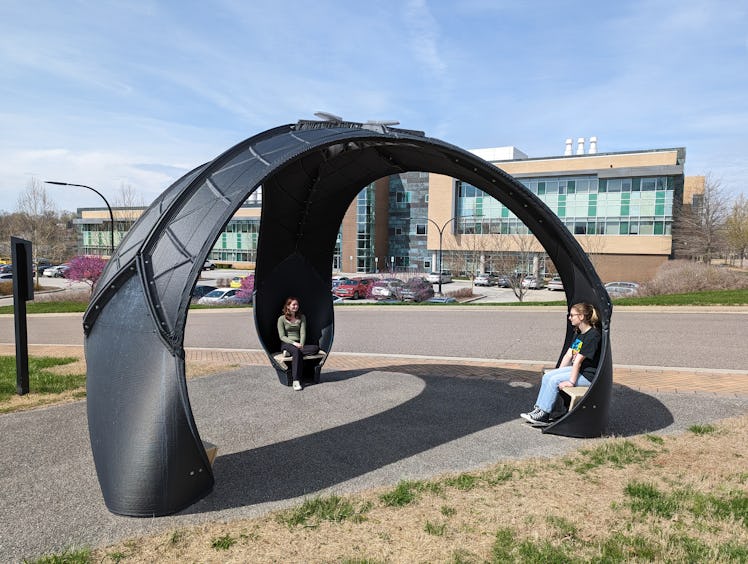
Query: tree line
x=715 y=226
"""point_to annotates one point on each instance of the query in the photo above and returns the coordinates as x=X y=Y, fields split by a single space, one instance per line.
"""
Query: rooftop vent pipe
x=567 y=150
x=593 y=145
x=580 y=146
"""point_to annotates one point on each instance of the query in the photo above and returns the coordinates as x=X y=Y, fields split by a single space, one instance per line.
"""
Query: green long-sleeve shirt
x=292 y=332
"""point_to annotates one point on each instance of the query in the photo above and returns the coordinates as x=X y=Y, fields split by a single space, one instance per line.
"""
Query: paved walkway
x=640 y=378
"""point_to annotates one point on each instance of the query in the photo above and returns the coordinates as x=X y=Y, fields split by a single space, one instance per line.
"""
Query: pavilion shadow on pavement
x=448 y=409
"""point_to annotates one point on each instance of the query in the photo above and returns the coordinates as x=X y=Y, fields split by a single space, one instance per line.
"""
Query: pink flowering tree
x=86 y=269
x=247 y=288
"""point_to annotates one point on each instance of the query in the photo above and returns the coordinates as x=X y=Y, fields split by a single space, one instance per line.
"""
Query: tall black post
x=23 y=290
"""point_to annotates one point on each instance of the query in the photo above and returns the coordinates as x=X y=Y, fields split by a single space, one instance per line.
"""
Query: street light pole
x=441 y=234
x=111 y=215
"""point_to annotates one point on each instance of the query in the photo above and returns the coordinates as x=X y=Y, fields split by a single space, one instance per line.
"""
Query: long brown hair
x=286 y=313
x=589 y=313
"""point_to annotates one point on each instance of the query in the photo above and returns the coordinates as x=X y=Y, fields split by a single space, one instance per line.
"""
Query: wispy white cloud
x=423 y=31
x=95 y=90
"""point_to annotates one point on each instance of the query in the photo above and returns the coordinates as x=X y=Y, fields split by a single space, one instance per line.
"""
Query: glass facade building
x=620 y=206
x=408 y=220
x=586 y=205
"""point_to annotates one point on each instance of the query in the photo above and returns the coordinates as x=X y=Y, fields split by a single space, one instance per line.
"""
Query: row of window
x=631 y=226
x=580 y=200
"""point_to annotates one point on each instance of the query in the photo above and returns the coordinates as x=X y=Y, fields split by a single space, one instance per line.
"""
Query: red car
x=354 y=288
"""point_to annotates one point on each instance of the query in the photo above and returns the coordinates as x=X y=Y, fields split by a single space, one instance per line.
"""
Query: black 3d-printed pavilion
x=149 y=457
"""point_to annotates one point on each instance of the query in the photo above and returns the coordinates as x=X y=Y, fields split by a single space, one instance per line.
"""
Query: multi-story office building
x=620 y=206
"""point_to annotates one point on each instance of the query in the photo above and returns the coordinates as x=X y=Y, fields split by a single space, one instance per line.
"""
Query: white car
x=56 y=271
x=533 y=283
x=386 y=289
x=622 y=289
x=434 y=278
x=487 y=279
x=217 y=296
x=555 y=284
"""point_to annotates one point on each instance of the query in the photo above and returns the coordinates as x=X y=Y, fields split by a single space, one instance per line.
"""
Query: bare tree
x=39 y=221
x=129 y=206
x=466 y=251
x=130 y=203
x=513 y=256
x=736 y=228
x=594 y=245
x=699 y=230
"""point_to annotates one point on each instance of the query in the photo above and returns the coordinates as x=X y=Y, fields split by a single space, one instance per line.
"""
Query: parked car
x=486 y=279
x=6 y=268
x=533 y=283
x=338 y=280
x=41 y=265
x=209 y=265
x=237 y=299
x=236 y=281
x=217 y=296
x=503 y=282
x=622 y=289
x=56 y=271
x=434 y=277
x=555 y=284
x=417 y=289
x=354 y=288
x=6 y=276
x=200 y=290
x=390 y=289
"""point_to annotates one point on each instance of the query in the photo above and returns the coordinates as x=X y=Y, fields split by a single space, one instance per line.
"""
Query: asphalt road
x=674 y=337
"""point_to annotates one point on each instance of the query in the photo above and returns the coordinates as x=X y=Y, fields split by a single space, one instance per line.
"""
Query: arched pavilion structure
x=149 y=456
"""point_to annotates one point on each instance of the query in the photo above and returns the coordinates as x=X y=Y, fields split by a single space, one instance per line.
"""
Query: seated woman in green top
x=292 y=333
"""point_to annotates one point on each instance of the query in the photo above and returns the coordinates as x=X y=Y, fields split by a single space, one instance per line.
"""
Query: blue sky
x=108 y=93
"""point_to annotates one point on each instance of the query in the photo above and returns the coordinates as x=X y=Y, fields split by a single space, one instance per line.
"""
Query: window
x=421 y=229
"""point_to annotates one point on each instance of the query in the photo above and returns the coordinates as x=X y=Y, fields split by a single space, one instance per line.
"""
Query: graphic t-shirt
x=588 y=345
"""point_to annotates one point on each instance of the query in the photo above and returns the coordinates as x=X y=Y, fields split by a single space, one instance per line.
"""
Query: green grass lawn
x=49 y=307
x=41 y=381
x=712 y=297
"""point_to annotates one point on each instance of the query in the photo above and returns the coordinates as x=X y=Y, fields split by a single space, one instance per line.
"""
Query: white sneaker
x=529 y=415
x=297 y=385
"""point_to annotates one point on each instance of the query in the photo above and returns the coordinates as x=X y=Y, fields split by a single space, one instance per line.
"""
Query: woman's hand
x=297 y=345
x=566 y=384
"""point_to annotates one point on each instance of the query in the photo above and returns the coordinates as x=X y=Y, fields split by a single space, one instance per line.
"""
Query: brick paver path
x=641 y=378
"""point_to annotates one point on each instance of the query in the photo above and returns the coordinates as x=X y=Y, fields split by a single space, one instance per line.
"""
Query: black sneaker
x=529 y=416
x=540 y=418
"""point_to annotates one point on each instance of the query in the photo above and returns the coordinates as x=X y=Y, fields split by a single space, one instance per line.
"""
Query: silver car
x=487 y=279
x=622 y=289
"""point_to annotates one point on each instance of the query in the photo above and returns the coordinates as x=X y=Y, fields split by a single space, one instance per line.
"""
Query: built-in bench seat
x=282 y=357
x=311 y=370
x=575 y=393
x=211 y=450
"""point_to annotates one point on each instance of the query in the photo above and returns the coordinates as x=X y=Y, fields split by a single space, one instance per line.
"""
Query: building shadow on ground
x=456 y=401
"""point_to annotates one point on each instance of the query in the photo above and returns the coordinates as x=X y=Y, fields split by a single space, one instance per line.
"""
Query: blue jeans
x=549 y=386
